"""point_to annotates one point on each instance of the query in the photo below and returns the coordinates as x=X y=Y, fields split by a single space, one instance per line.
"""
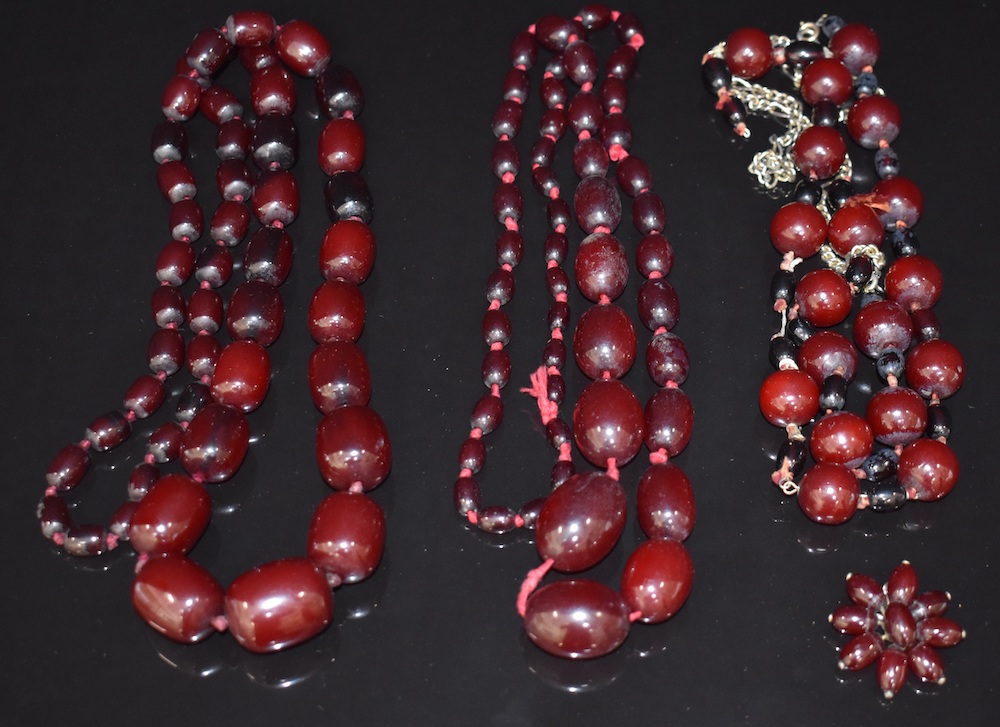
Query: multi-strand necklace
x=897 y=449
x=579 y=522
x=287 y=601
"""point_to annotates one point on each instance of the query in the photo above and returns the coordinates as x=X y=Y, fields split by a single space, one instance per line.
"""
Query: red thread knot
x=530 y=583
x=496 y=346
x=472 y=516
x=604 y=300
x=510 y=223
x=612 y=468
x=465 y=472
x=565 y=452
x=660 y=456
x=562 y=296
x=637 y=41
x=654 y=275
x=508 y=178
x=476 y=433
x=495 y=304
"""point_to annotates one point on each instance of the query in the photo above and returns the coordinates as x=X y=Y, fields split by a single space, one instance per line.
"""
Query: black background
x=433 y=638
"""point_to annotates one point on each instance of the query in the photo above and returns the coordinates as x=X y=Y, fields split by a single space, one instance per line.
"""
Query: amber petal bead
x=897 y=415
x=657 y=579
x=178 y=598
x=669 y=420
x=278 y=604
x=828 y=494
x=864 y=590
x=902 y=584
x=853 y=619
x=347 y=535
x=608 y=422
x=789 y=397
x=928 y=469
x=891 y=672
x=798 y=228
x=338 y=376
x=581 y=521
x=841 y=437
x=256 y=313
x=216 y=443
x=665 y=506
x=860 y=651
x=938 y=631
x=352 y=445
x=171 y=517
x=576 y=619
x=935 y=368
x=242 y=375
x=68 y=467
x=604 y=341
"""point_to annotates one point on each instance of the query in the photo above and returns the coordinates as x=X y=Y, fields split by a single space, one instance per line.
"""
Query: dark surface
x=439 y=641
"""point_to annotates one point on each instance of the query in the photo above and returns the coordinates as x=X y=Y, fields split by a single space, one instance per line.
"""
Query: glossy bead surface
x=108 y=431
x=230 y=223
x=827 y=353
x=667 y=359
x=278 y=604
x=856 y=46
x=819 y=151
x=347 y=197
x=604 y=341
x=608 y=422
x=352 y=445
x=178 y=598
x=341 y=146
x=928 y=469
x=347 y=536
x=823 y=297
x=897 y=415
x=338 y=376
x=874 y=120
x=798 y=228
x=748 y=53
x=882 y=325
x=338 y=92
x=597 y=205
x=601 y=267
x=256 y=313
x=68 y=467
x=665 y=506
x=171 y=517
x=826 y=79
x=828 y=494
x=216 y=443
x=904 y=201
x=789 y=397
x=276 y=197
x=841 y=438
x=853 y=225
x=669 y=419
x=242 y=375
x=337 y=312
x=935 y=368
x=657 y=579
x=914 y=282
x=581 y=521
x=658 y=304
x=302 y=47
x=576 y=619
x=268 y=257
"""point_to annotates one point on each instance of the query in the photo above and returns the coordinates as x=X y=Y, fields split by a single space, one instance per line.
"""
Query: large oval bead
x=664 y=502
x=604 y=341
x=657 y=579
x=171 y=517
x=576 y=619
x=177 y=597
x=608 y=422
x=669 y=421
x=215 y=443
x=352 y=445
x=581 y=521
x=278 y=604
x=347 y=536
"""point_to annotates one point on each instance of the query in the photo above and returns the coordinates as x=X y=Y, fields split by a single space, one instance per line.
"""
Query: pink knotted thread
x=220 y=624
x=660 y=456
x=612 y=468
x=616 y=152
x=565 y=452
x=530 y=583
x=634 y=616
x=539 y=389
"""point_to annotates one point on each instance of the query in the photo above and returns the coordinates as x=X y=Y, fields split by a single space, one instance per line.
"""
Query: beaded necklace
x=898 y=450
x=578 y=523
x=284 y=602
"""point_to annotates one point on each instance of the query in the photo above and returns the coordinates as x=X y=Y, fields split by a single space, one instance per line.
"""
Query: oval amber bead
x=581 y=521
x=178 y=598
x=577 y=619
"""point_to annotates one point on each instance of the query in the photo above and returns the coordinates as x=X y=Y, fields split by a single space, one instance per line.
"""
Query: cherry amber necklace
x=579 y=522
x=284 y=602
x=897 y=450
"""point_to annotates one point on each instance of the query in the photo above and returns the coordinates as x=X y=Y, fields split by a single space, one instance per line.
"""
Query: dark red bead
x=902 y=584
x=826 y=79
x=186 y=220
x=590 y=158
x=466 y=495
x=874 y=121
x=256 y=313
x=169 y=142
x=891 y=671
x=278 y=604
x=667 y=359
x=828 y=494
x=928 y=469
x=341 y=146
x=216 y=443
x=581 y=521
x=669 y=420
x=852 y=225
x=856 y=46
x=176 y=182
x=168 y=307
x=914 y=282
x=230 y=223
x=144 y=396
x=657 y=579
x=935 y=368
x=205 y=311
x=819 y=151
x=242 y=375
x=924 y=661
x=233 y=180
x=576 y=619
x=897 y=415
x=864 y=590
x=860 y=651
x=302 y=47
x=597 y=205
x=853 y=619
x=142 y=477
x=608 y=423
x=180 y=98
x=165 y=351
x=164 y=444
x=487 y=414
x=654 y=254
x=789 y=397
x=209 y=52
x=276 y=197
x=664 y=505
x=347 y=536
x=233 y=140
x=220 y=105
x=108 y=431
x=215 y=266
x=937 y=631
x=250 y=28
x=904 y=199
x=882 y=325
x=658 y=304
x=272 y=89
x=604 y=341
x=171 y=517
x=202 y=353
x=338 y=376
x=352 y=446
x=268 y=257
x=798 y=228
x=749 y=53
x=841 y=437
x=68 y=467
x=175 y=263
x=823 y=297
x=826 y=353
x=178 y=598
x=601 y=267
x=337 y=312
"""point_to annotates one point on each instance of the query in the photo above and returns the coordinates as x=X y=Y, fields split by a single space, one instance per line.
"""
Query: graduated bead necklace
x=579 y=522
x=284 y=602
x=897 y=451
